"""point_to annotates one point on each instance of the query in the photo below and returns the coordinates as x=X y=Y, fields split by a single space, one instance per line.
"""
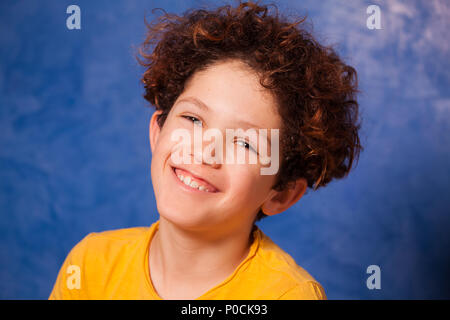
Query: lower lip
x=186 y=187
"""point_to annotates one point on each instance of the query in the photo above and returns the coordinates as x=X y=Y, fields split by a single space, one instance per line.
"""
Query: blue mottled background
x=75 y=157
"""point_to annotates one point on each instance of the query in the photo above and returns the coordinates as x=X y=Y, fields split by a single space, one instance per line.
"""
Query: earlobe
x=282 y=200
x=154 y=129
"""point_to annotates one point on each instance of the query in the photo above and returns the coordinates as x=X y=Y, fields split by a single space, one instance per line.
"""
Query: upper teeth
x=193 y=184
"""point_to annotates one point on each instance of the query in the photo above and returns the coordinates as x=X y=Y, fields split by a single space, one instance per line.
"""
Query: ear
x=279 y=201
x=154 y=129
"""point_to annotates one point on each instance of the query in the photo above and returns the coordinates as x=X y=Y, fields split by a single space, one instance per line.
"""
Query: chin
x=183 y=217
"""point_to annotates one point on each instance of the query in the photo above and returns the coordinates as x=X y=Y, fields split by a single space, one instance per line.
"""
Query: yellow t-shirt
x=114 y=265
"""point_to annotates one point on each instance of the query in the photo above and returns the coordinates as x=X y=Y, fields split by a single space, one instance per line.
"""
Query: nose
x=206 y=157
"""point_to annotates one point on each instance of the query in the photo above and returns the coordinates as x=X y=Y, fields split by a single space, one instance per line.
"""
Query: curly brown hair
x=314 y=89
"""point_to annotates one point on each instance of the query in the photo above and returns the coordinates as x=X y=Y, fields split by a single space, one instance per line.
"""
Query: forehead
x=233 y=90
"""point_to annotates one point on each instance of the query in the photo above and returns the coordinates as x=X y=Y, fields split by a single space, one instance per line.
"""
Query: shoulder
x=107 y=244
x=118 y=236
x=292 y=281
x=93 y=261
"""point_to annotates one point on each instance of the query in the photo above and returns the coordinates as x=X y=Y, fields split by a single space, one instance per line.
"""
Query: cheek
x=249 y=183
x=165 y=142
x=160 y=154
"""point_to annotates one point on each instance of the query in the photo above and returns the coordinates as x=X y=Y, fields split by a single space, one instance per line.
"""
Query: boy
x=233 y=68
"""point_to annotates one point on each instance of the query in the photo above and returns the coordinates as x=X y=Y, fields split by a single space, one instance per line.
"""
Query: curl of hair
x=314 y=89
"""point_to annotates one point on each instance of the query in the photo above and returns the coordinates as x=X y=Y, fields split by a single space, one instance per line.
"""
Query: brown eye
x=193 y=119
x=246 y=145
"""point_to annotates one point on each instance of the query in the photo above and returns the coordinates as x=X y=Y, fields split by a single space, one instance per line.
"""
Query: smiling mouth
x=193 y=182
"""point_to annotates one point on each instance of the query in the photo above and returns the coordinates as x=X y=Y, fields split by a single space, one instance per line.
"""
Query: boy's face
x=233 y=96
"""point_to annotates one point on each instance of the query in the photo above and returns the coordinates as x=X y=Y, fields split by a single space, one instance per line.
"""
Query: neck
x=180 y=258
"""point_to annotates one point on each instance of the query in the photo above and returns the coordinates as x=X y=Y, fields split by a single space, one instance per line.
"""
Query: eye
x=193 y=119
x=246 y=145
